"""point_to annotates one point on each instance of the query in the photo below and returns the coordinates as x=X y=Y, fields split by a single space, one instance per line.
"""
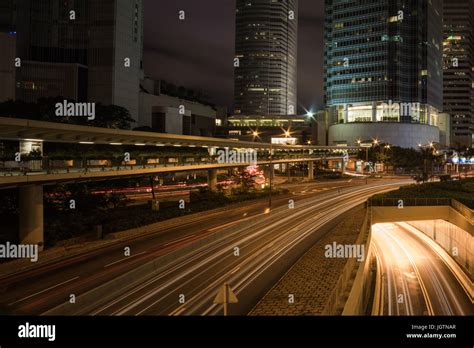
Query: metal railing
x=461 y=208
x=408 y=202
x=44 y=167
x=467 y=212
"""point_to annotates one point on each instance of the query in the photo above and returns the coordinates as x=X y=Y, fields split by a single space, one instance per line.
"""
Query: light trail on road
x=416 y=279
x=94 y=267
x=263 y=245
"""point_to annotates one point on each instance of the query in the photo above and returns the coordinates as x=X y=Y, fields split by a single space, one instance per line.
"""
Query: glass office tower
x=82 y=50
x=266 y=52
x=459 y=69
x=383 y=65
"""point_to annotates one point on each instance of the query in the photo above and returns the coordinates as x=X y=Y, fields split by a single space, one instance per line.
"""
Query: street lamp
x=367 y=145
x=271 y=177
x=424 y=148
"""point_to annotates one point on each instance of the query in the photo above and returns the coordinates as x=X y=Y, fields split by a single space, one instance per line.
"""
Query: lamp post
x=365 y=164
x=367 y=146
x=271 y=176
x=427 y=172
x=386 y=147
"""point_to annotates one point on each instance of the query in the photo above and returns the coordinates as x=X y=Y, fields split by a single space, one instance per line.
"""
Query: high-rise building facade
x=383 y=70
x=7 y=16
x=83 y=50
x=459 y=70
x=7 y=69
x=266 y=57
x=7 y=49
x=115 y=52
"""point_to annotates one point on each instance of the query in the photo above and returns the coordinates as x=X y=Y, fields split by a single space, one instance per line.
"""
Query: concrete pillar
x=311 y=170
x=346 y=113
x=212 y=179
x=31 y=215
x=374 y=112
x=269 y=171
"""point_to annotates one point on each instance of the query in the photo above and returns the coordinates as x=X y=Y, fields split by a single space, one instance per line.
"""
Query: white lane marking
x=42 y=291
x=124 y=259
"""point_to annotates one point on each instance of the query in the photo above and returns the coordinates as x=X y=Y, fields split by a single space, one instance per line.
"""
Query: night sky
x=199 y=52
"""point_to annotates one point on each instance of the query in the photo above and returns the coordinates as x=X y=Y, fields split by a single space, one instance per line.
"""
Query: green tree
x=107 y=116
x=112 y=116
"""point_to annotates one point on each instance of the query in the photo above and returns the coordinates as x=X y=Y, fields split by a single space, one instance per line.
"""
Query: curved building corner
x=406 y=135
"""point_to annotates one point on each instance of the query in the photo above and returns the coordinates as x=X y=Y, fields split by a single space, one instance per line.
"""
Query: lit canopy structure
x=21 y=129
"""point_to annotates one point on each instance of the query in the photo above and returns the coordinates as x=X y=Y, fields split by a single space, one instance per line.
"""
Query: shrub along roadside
x=461 y=190
x=69 y=224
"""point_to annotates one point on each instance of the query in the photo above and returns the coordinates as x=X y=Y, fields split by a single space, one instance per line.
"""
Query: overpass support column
x=31 y=215
x=269 y=171
x=212 y=179
x=311 y=170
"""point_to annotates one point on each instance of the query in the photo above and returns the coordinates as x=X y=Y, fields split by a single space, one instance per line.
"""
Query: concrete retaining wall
x=359 y=297
x=449 y=227
x=418 y=213
x=455 y=241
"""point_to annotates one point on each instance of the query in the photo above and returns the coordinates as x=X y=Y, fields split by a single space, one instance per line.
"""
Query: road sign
x=224 y=296
x=366 y=145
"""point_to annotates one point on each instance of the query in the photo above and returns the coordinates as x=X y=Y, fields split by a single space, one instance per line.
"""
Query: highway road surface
x=46 y=285
x=416 y=278
x=266 y=248
x=40 y=289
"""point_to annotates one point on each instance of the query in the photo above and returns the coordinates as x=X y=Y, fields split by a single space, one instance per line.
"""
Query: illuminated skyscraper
x=266 y=49
x=383 y=70
x=459 y=69
x=84 y=50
